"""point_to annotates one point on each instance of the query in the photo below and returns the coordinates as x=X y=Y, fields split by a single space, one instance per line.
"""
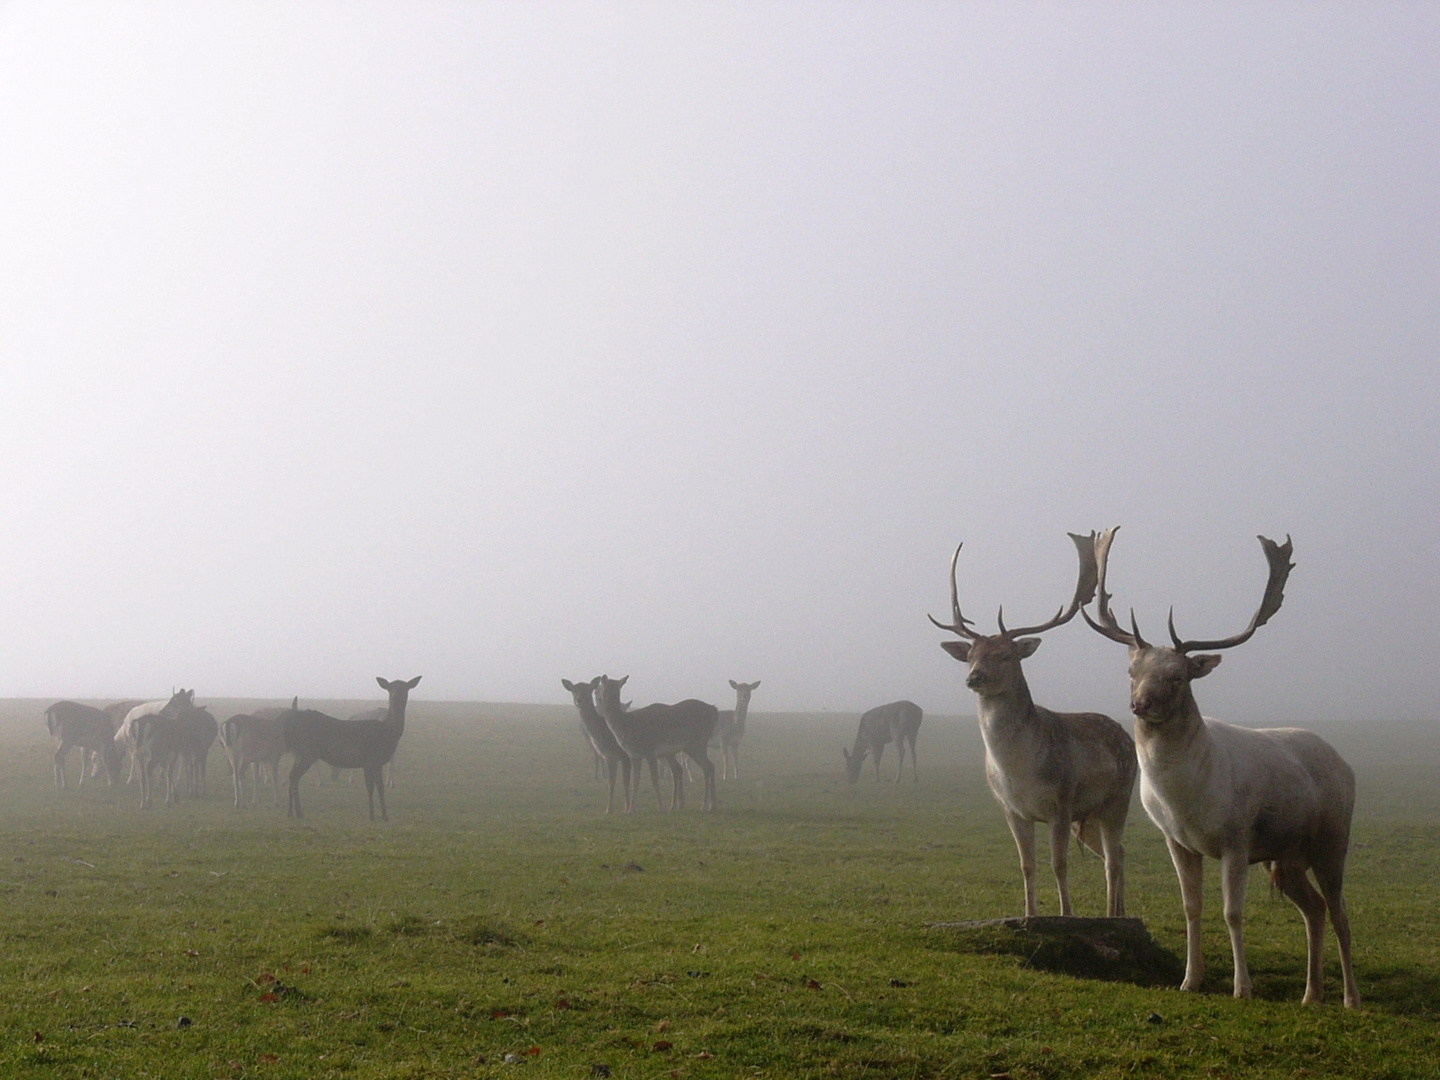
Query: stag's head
x=994 y=659
x=1160 y=675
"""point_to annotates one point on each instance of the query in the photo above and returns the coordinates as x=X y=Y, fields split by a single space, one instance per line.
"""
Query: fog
x=501 y=343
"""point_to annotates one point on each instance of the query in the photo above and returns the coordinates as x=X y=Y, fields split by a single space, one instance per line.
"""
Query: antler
x=960 y=625
x=1107 y=624
x=1084 y=591
x=1278 y=556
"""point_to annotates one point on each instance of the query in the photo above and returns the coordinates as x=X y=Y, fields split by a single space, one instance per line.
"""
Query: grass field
x=501 y=925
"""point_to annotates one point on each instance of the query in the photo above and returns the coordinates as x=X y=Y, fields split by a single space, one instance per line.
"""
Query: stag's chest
x=1019 y=769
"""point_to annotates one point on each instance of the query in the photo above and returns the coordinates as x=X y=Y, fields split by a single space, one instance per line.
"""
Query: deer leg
x=60 y=766
x=677 y=781
x=1114 y=852
x=1060 y=859
x=1234 y=869
x=1293 y=882
x=297 y=770
x=1330 y=878
x=655 y=781
x=879 y=752
x=900 y=749
x=708 y=768
x=625 y=771
x=1023 y=830
x=735 y=762
x=380 y=790
x=370 y=782
x=1188 y=865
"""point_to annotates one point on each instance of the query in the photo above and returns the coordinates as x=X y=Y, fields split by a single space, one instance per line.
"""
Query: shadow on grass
x=1111 y=950
x=1397 y=989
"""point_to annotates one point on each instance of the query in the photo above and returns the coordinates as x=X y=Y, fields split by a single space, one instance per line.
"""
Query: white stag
x=1281 y=796
x=1068 y=769
x=311 y=736
x=663 y=731
x=731 y=729
x=602 y=739
x=897 y=722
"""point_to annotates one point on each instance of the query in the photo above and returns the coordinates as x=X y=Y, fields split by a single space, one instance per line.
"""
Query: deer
x=663 y=731
x=199 y=730
x=253 y=740
x=311 y=736
x=1278 y=796
x=731 y=729
x=602 y=739
x=1072 y=771
x=72 y=724
x=116 y=711
x=124 y=734
x=897 y=722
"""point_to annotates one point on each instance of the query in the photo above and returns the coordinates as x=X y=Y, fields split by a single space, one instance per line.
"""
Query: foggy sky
x=501 y=343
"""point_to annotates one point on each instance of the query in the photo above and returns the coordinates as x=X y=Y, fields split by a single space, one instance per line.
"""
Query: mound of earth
x=1118 y=950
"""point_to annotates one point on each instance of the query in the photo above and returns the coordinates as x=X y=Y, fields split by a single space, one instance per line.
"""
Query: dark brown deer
x=663 y=731
x=199 y=731
x=1061 y=768
x=898 y=723
x=72 y=724
x=1281 y=796
x=311 y=736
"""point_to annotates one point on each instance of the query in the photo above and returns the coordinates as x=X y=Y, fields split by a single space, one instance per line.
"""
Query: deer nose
x=973 y=680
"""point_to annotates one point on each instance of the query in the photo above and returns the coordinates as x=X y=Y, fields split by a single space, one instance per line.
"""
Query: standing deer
x=158 y=739
x=199 y=730
x=898 y=722
x=311 y=736
x=602 y=739
x=1065 y=769
x=72 y=724
x=1281 y=796
x=124 y=734
x=663 y=731
x=731 y=729
x=253 y=741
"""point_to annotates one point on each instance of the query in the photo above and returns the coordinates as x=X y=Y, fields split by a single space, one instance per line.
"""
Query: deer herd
x=1278 y=796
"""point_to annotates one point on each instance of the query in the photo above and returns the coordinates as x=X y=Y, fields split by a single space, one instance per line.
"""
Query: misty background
x=500 y=343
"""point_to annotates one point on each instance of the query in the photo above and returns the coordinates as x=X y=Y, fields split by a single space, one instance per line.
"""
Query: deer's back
x=348 y=744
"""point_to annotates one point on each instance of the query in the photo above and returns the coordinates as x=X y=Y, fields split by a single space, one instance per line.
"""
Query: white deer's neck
x=1177 y=755
x=1005 y=718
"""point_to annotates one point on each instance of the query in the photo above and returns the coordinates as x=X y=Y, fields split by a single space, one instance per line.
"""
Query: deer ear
x=384 y=683
x=413 y=682
x=568 y=685
x=960 y=650
x=734 y=685
x=1201 y=665
x=295 y=703
x=1027 y=646
x=755 y=685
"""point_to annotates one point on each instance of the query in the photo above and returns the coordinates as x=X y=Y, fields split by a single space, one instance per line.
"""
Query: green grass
x=499 y=912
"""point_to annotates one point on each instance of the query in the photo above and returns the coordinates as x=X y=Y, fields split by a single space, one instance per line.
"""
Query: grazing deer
x=311 y=736
x=731 y=730
x=252 y=741
x=602 y=739
x=116 y=711
x=72 y=724
x=663 y=731
x=1281 y=796
x=1067 y=769
x=898 y=722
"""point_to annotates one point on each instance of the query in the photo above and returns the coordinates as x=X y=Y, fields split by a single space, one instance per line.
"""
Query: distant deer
x=602 y=739
x=72 y=724
x=663 y=731
x=116 y=711
x=731 y=729
x=1062 y=768
x=124 y=734
x=158 y=740
x=1281 y=796
x=252 y=741
x=311 y=736
x=897 y=722
x=198 y=735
